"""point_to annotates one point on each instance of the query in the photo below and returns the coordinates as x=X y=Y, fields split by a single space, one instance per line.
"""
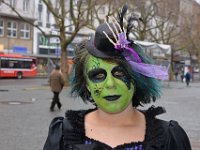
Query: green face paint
x=110 y=86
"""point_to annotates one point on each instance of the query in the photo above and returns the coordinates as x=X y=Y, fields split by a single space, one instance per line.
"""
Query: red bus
x=16 y=65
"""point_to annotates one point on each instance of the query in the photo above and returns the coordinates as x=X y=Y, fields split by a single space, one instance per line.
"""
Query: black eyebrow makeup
x=120 y=73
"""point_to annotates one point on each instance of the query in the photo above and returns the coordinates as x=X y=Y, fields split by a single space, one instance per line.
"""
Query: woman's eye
x=99 y=76
x=119 y=74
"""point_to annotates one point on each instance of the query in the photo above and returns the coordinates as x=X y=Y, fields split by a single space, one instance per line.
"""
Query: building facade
x=16 y=35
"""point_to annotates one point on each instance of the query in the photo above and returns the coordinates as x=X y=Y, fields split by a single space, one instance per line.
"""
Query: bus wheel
x=19 y=75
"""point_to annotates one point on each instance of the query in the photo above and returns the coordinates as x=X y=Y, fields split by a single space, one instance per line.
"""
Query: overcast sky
x=198 y=1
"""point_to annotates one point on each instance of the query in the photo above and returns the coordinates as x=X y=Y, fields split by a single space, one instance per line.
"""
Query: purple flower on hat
x=122 y=39
x=124 y=43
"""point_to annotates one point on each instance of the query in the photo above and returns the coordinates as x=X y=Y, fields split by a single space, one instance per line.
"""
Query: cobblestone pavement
x=25 y=116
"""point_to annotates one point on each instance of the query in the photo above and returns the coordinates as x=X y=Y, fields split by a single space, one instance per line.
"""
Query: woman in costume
x=114 y=74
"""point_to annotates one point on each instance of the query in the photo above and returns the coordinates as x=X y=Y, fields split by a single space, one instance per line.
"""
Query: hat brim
x=94 y=51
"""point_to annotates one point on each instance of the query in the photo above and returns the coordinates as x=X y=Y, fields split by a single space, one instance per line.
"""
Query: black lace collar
x=153 y=137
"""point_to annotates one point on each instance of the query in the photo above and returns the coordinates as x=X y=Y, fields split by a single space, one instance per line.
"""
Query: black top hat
x=100 y=46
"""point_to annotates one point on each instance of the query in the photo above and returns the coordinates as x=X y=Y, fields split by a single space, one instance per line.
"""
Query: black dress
x=69 y=134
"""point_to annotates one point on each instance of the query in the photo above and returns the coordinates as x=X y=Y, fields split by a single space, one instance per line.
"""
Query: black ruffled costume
x=69 y=134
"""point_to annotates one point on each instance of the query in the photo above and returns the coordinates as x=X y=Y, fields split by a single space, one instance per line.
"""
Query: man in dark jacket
x=187 y=78
x=56 y=81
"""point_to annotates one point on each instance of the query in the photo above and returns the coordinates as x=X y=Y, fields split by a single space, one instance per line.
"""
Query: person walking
x=56 y=81
x=187 y=78
x=176 y=74
x=182 y=74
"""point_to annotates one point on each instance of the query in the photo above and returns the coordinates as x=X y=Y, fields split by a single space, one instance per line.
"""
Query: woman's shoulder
x=169 y=133
x=72 y=119
x=72 y=125
x=76 y=117
x=55 y=130
x=71 y=116
x=75 y=113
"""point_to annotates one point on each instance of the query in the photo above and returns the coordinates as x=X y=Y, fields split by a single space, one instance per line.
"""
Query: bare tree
x=79 y=12
x=193 y=48
x=165 y=22
x=190 y=32
x=155 y=26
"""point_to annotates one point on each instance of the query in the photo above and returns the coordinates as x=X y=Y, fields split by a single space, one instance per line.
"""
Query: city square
x=102 y=45
x=25 y=115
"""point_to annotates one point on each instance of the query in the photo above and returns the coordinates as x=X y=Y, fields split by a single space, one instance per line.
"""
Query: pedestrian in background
x=187 y=78
x=182 y=74
x=176 y=74
x=56 y=81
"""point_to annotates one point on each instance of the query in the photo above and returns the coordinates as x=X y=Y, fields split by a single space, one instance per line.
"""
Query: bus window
x=11 y=64
x=4 y=64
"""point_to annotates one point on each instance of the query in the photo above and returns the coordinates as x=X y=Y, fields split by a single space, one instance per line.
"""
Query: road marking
x=38 y=88
x=14 y=103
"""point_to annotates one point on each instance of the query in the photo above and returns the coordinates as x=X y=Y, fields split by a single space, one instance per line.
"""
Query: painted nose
x=110 y=82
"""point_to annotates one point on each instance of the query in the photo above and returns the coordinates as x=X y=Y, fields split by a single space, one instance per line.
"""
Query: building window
x=24 y=31
x=1 y=27
x=13 y=3
x=25 y=5
x=48 y=19
x=40 y=8
x=40 y=16
x=12 y=29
